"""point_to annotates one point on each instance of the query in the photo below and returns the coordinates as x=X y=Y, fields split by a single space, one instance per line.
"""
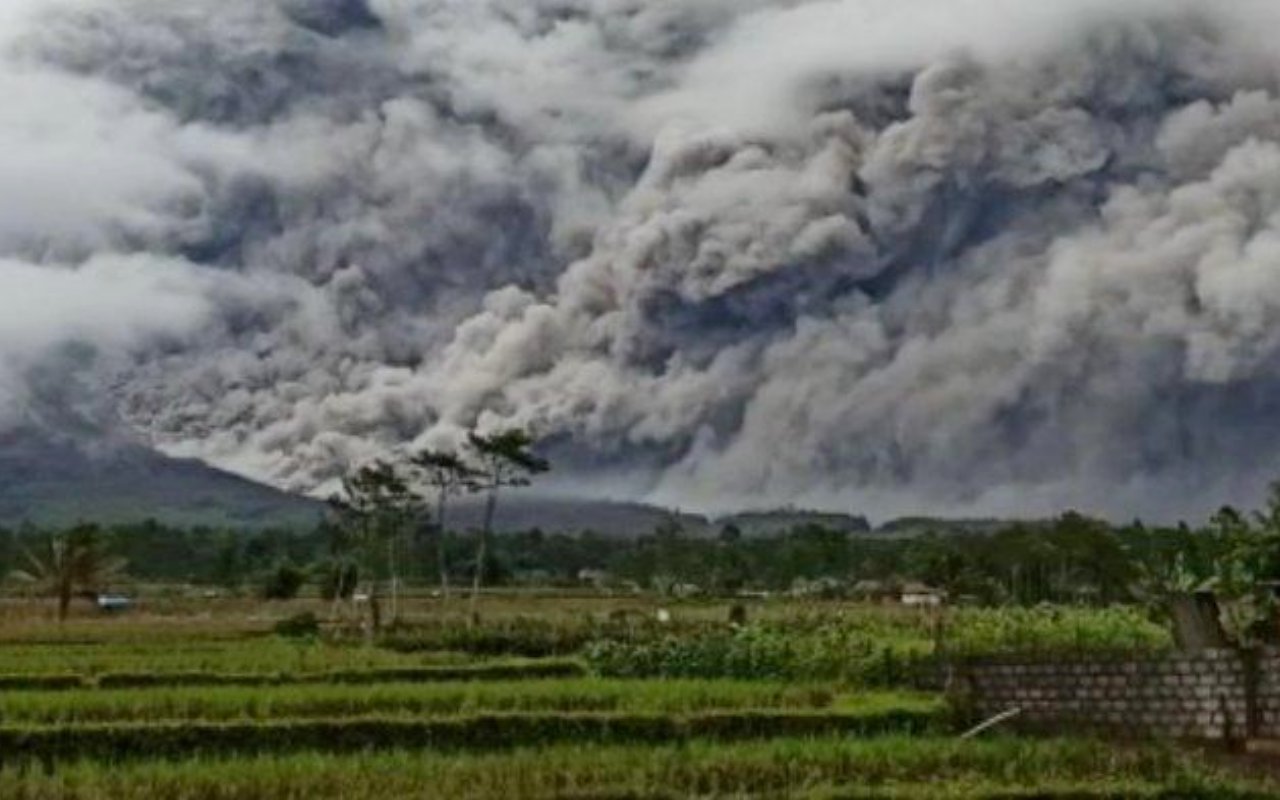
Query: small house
x=921 y=596
x=873 y=591
x=594 y=577
x=114 y=603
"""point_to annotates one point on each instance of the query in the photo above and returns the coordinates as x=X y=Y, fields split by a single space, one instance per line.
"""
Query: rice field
x=891 y=766
x=412 y=700
x=159 y=705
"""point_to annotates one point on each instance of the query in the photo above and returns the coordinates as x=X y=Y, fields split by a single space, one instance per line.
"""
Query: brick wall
x=1214 y=694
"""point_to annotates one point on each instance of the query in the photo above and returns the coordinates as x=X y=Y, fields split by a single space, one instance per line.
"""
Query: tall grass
x=127 y=742
x=265 y=654
x=1049 y=630
x=332 y=701
x=893 y=766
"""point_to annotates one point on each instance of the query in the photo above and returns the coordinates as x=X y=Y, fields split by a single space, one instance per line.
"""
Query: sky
x=923 y=256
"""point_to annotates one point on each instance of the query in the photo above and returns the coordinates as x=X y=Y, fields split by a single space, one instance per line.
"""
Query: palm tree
x=502 y=459
x=69 y=562
x=448 y=475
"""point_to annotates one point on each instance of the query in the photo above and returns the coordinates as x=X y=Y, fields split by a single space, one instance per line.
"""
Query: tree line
x=389 y=529
x=358 y=558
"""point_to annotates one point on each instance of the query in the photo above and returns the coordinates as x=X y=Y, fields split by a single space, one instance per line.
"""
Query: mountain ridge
x=51 y=481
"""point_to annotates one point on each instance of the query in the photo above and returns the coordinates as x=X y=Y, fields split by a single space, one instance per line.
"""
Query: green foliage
x=1046 y=630
x=374 y=512
x=163 y=709
x=114 y=743
x=766 y=652
x=164 y=654
x=1070 y=560
x=46 y=682
x=502 y=459
x=516 y=636
x=299 y=626
x=338 y=579
x=330 y=700
x=864 y=648
x=284 y=582
x=510 y=670
x=447 y=475
x=915 y=768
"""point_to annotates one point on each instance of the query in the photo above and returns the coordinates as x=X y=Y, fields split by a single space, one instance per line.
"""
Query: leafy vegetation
x=1072 y=560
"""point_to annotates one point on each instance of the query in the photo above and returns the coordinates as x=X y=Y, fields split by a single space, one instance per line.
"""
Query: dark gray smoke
x=987 y=256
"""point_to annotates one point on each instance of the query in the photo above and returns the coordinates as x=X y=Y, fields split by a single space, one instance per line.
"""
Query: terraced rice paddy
x=235 y=712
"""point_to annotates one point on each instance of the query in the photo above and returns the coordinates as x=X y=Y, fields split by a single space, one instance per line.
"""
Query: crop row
x=888 y=767
x=246 y=654
x=123 y=742
x=426 y=699
x=516 y=670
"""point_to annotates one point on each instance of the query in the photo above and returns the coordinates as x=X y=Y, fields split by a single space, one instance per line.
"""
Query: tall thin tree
x=447 y=474
x=502 y=459
x=376 y=505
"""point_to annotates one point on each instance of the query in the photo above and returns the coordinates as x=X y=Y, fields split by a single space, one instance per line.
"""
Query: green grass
x=178 y=704
x=391 y=699
x=807 y=768
x=126 y=741
x=264 y=654
x=518 y=669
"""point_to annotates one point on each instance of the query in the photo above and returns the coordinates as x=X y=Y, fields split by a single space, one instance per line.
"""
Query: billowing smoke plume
x=958 y=255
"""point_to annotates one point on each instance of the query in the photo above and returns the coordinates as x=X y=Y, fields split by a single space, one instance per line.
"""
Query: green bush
x=1054 y=629
x=284 y=582
x=523 y=637
x=769 y=652
x=299 y=626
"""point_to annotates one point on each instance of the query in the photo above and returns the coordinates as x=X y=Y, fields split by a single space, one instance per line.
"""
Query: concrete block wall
x=1213 y=694
x=1267 y=695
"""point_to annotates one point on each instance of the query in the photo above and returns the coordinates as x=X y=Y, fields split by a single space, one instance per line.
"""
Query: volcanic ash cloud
x=978 y=256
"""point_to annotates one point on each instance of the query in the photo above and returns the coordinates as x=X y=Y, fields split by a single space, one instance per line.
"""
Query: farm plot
x=806 y=703
x=886 y=767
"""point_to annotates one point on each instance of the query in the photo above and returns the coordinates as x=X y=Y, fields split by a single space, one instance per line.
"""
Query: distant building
x=920 y=595
x=872 y=591
x=114 y=603
x=595 y=577
x=827 y=588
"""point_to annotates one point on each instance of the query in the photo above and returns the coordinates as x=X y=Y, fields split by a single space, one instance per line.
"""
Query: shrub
x=284 y=582
x=299 y=626
x=766 y=651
